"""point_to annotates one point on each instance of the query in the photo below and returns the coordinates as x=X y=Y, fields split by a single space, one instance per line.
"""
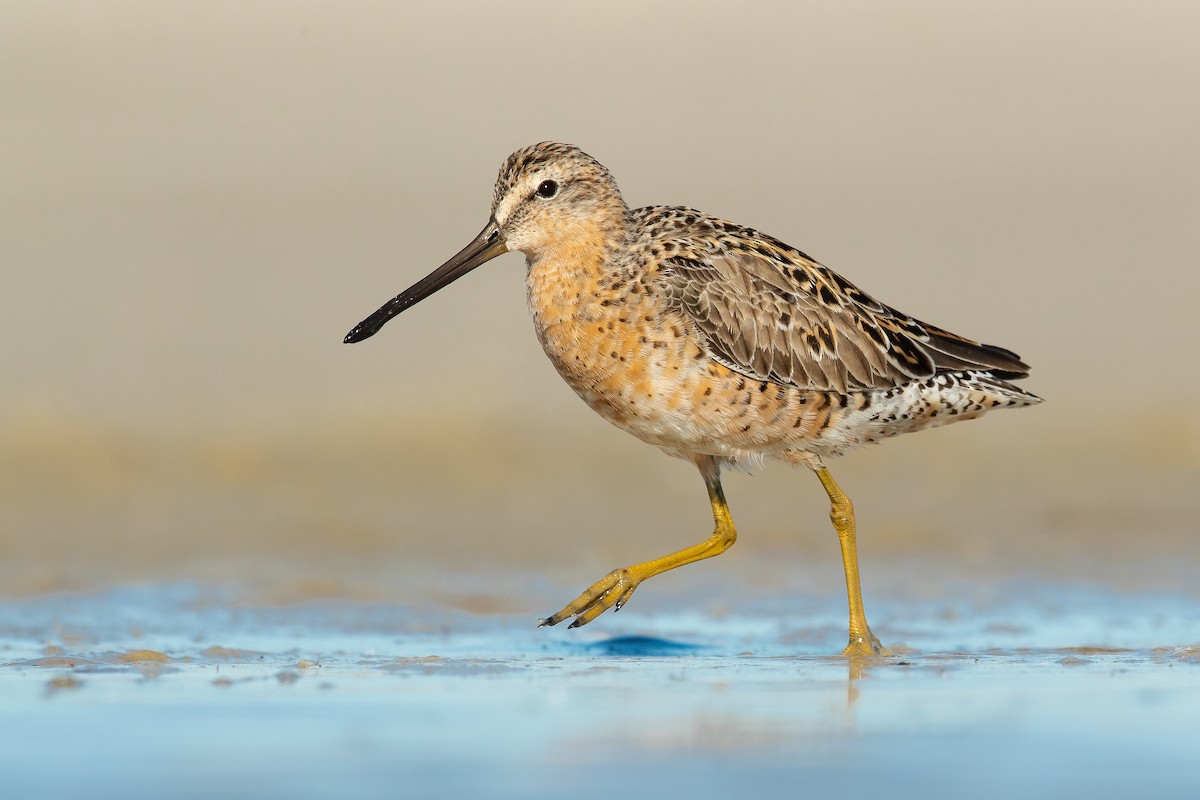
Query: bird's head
x=548 y=197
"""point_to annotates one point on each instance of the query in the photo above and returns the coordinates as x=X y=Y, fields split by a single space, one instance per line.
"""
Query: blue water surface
x=192 y=692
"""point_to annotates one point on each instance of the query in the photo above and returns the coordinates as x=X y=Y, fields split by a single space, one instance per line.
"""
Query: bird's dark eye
x=547 y=188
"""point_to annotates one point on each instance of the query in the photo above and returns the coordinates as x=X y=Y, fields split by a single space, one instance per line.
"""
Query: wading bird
x=715 y=343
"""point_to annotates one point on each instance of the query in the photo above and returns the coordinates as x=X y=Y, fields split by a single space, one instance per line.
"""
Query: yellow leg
x=841 y=513
x=613 y=590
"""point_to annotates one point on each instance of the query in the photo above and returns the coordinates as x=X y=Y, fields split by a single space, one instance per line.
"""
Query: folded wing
x=773 y=314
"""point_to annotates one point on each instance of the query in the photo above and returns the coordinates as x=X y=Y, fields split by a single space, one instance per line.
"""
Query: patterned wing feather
x=771 y=313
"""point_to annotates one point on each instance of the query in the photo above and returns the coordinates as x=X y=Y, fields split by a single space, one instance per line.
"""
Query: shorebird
x=715 y=343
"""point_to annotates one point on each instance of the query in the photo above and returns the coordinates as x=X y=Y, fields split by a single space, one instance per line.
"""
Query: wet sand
x=363 y=510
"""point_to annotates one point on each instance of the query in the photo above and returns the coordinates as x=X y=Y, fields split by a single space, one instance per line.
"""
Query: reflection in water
x=641 y=646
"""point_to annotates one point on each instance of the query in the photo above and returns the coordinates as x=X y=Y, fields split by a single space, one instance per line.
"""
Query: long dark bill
x=486 y=246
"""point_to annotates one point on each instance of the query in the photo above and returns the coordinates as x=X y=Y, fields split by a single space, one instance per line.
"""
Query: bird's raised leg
x=613 y=590
x=841 y=512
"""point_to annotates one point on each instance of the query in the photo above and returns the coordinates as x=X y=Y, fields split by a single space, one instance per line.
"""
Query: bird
x=717 y=344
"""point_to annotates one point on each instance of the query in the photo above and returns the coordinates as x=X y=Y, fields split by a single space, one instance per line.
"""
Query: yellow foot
x=865 y=647
x=611 y=591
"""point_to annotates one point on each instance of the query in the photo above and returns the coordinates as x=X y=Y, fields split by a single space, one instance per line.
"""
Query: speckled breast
x=638 y=364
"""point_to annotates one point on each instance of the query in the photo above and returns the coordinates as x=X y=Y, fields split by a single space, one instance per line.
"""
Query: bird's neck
x=581 y=257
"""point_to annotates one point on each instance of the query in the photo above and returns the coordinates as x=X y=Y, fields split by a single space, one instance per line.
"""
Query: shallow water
x=193 y=691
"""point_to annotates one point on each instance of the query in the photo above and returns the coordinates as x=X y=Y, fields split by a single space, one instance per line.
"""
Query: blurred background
x=198 y=200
